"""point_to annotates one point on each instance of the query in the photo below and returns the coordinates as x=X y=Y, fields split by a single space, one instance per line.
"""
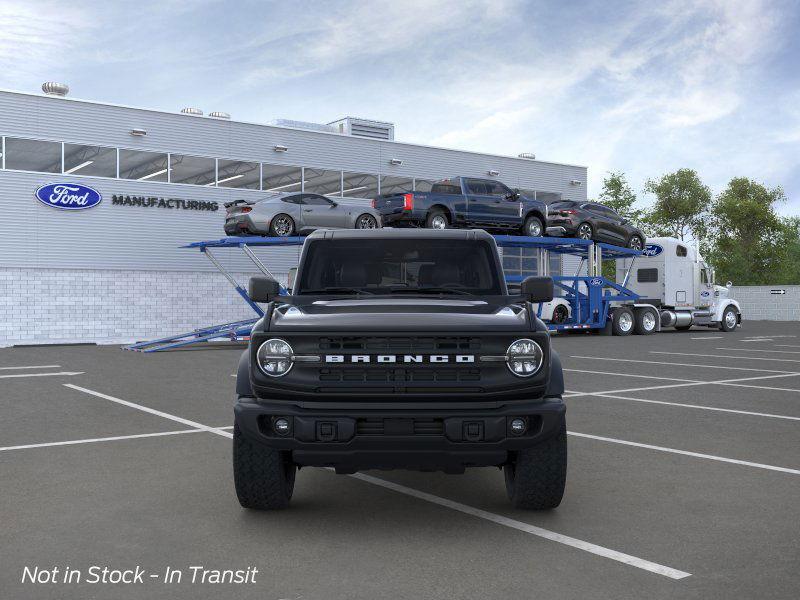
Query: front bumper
x=376 y=437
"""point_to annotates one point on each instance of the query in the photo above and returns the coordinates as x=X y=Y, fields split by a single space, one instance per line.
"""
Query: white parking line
x=687 y=453
x=698 y=406
x=31 y=367
x=759 y=350
x=794 y=360
x=655 y=362
x=519 y=525
x=65 y=373
x=787 y=346
x=152 y=411
x=105 y=439
x=618 y=374
x=627 y=559
x=708 y=337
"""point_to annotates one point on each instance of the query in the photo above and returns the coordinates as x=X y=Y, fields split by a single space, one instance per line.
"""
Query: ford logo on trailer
x=68 y=196
x=652 y=250
x=596 y=281
x=705 y=294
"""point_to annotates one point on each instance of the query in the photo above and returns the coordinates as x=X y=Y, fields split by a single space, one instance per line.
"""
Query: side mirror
x=263 y=289
x=729 y=285
x=291 y=277
x=537 y=289
x=334 y=204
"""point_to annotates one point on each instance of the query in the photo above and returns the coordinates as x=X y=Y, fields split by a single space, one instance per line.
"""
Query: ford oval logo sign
x=652 y=250
x=68 y=196
x=596 y=281
x=705 y=294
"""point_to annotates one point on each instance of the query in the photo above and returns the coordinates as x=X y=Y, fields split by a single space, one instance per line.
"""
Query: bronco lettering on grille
x=399 y=358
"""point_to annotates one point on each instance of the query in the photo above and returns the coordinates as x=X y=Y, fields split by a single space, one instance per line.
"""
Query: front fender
x=723 y=305
x=555 y=387
x=243 y=387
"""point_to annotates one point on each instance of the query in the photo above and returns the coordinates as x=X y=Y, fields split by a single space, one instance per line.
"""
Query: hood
x=720 y=291
x=393 y=314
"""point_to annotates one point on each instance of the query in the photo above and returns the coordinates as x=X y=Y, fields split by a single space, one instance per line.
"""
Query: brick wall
x=47 y=306
x=758 y=303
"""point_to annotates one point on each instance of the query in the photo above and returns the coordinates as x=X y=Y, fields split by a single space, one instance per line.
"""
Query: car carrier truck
x=673 y=278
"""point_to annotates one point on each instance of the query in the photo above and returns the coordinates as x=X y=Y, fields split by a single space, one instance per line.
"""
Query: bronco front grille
x=400 y=426
x=381 y=375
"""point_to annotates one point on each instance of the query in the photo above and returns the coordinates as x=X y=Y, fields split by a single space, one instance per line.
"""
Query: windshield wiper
x=337 y=290
x=431 y=290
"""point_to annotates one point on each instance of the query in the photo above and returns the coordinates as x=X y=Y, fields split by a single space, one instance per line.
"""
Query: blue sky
x=641 y=87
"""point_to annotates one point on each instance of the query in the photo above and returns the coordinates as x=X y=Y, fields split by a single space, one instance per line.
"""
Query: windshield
x=382 y=266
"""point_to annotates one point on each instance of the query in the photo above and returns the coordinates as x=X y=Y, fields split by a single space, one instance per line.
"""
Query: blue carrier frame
x=590 y=296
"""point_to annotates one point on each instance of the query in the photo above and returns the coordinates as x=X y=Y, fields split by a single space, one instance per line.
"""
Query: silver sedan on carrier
x=286 y=214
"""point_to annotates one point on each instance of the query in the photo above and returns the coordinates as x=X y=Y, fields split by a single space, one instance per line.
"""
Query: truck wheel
x=622 y=322
x=729 y=320
x=536 y=477
x=533 y=227
x=437 y=220
x=264 y=477
x=645 y=323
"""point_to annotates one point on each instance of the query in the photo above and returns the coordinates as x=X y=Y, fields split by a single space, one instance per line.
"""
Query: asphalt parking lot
x=684 y=478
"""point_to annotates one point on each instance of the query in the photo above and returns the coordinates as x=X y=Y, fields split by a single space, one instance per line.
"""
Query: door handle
x=307 y=210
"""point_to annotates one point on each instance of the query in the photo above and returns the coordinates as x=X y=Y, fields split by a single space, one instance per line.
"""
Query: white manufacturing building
x=116 y=272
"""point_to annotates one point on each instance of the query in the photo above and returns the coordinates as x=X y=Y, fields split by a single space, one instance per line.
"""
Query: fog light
x=518 y=426
x=281 y=426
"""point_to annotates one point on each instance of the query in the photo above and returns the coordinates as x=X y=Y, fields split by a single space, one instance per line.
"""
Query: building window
x=359 y=185
x=321 y=181
x=280 y=178
x=237 y=174
x=33 y=155
x=96 y=161
x=396 y=185
x=194 y=170
x=423 y=185
x=144 y=166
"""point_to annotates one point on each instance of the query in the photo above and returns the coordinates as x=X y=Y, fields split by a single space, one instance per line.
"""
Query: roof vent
x=377 y=130
x=219 y=115
x=527 y=155
x=192 y=111
x=51 y=88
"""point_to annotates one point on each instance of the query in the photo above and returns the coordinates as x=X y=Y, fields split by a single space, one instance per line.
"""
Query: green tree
x=750 y=243
x=618 y=195
x=681 y=205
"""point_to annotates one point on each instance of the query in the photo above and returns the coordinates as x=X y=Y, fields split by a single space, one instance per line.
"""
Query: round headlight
x=275 y=357
x=524 y=357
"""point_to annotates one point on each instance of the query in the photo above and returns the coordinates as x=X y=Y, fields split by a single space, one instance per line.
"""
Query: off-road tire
x=536 y=476
x=560 y=314
x=619 y=322
x=436 y=212
x=640 y=327
x=263 y=476
x=531 y=222
x=292 y=227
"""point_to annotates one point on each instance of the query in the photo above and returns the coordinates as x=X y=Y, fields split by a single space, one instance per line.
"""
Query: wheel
x=635 y=243
x=536 y=476
x=622 y=323
x=437 y=220
x=533 y=227
x=729 y=319
x=366 y=221
x=645 y=322
x=585 y=231
x=263 y=476
x=560 y=314
x=282 y=226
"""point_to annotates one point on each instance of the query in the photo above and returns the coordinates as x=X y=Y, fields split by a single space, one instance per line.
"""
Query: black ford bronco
x=400 y=349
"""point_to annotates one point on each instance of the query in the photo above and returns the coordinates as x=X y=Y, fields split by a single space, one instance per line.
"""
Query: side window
x=476 y=186
x=445 y=187
x=704 y=276
x=647 y=275
x=495 y=188
x=681 y=251
x=292 y=200
x=315 y=200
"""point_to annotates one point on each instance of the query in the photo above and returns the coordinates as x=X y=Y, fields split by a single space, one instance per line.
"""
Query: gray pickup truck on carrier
x=400 y=349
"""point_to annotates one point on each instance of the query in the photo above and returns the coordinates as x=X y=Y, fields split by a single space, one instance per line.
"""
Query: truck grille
x=400 y=427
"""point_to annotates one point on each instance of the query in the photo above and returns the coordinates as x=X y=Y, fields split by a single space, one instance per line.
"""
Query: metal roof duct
x=51 y=88
x=377 y=130
x=303 y=125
